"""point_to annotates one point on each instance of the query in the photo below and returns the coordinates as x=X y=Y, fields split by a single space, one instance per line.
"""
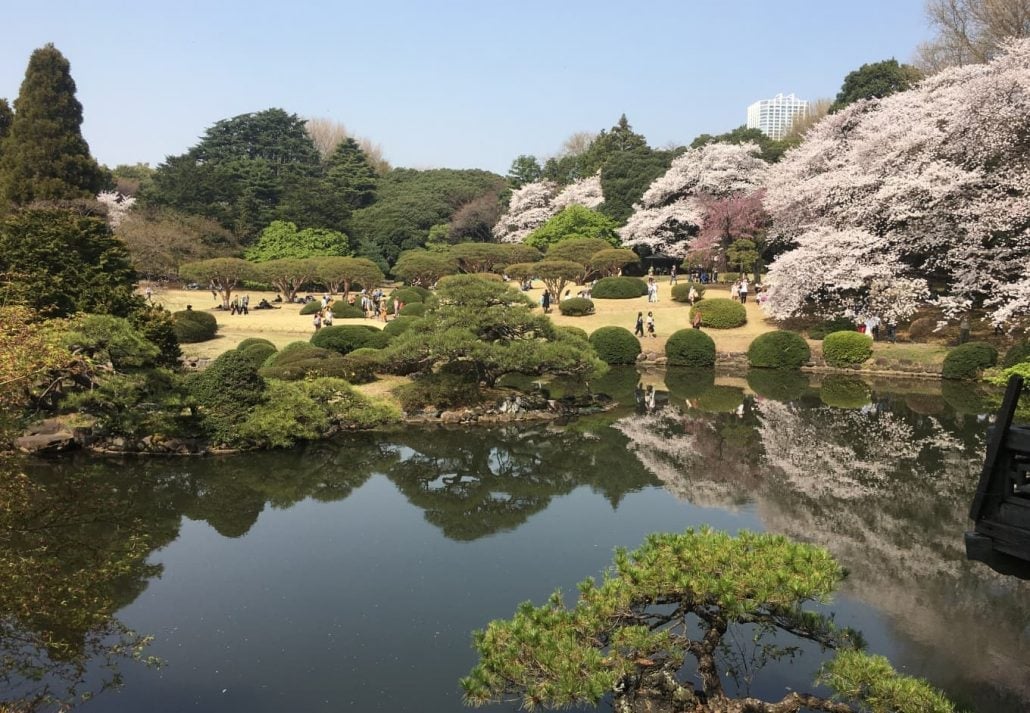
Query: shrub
x=967 y=360
x=844 y=349
x=779 y=350
x=1016 y=354
x=251 y=341
x=399 y=325
x=688 y=384
x=311 y=307
x=843 y=391
x=422 y=291
x=619 y=288
x=778 y=384
x=829 y=326
x=296 y=350
x=347 y=338
x=720 y=313
x=155 y=324
x=342 y=310
x=299 y=360
x=257 y=354
x=573 y=332
x=105 y=338
x=360 y=365
x=225 y=392
x=415 y=309
x=576 y=306
x=615 y=345
x=690 y=347
x=439 y=391
x=192 y=326
x=681 y=291
x=922 y=327
x=407 y=295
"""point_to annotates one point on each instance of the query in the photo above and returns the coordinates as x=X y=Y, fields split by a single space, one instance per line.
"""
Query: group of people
x=739 y=290
x=652 y=289
x=638 y=330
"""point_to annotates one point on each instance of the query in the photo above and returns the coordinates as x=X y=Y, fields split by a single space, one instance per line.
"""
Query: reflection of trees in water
x=474 y=484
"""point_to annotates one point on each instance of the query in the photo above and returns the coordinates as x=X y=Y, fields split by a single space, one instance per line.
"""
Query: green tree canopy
x=877 y=79
x=222 y=274
x=742 y=254
x=338 y=274
x=44 y=156
x=771 y=149
x=350 y=175
x=625 y=177
x=580 y=251
x=679 y=596
x=609 y=262
x=524 y=169
x=479 y=257
x=282 y=239
x=286 y=275
x=421 y=267
x=59 y=262
x=575 y=222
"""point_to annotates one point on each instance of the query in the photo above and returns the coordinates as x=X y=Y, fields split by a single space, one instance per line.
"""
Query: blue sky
x=460 y=84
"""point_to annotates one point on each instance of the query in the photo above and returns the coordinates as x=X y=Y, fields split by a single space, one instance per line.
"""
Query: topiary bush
x=225 y=392
x=191 y=326
x=422 y=291
x=251 y=341
x=618 y=288
x=576 y=307
x=407 y=295
x=574 y=332
x=781 y=349
x=311 y=307
x=846 y=349
x=399 y=325
x=360 y=365
x=415 y=309
x=829 y=326
x=778 y=384
x=720 y=313
x=966 y=361
x=345 y=339
x=257 y=354
x=615 y=345
x=681 y=291
x=342 y=310
x=1016 y=354
x=301 y=360
x=690 y=347
x=844 y=391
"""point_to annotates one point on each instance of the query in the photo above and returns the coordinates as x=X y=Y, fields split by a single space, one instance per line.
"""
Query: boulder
x=49 y=436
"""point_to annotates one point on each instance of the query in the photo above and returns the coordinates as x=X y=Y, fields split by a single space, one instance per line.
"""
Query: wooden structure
x=1001 y=505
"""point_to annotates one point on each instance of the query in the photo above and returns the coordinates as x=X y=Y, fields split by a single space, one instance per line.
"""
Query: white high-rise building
x=775 y=116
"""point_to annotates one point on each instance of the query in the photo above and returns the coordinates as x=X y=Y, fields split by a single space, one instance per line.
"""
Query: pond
x=348 y=575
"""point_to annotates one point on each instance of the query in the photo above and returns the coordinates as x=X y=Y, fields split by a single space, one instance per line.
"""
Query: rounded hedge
x=778 y=384
x=720 y=313
x=191 y=326
x=681 y=291
x=311 y=307
x=332 y=364
x=844 y=349
x=967 y=360
x=257 y=354
x=1016 y=354
x=576 y=307
x=829 y=326
x=360 y=365
x=573 y=332
x=781 y=349
x=345 y=339
x=342 y=310
x=843 y=391
x=251 y=341
x=295 y=350
x=399 y=325
x=407 y=295
x=615 y=345
x=618 y=288
x=425 y=294
x=415 y=309
x=690 y=347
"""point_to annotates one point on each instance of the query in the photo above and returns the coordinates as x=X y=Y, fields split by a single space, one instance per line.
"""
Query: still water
x=348 y=575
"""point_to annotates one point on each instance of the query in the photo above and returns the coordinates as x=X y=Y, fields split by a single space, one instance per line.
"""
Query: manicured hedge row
x=618 y=288
x=844 y=349
x=719 y=313
x=615 y=345
x=690 y=347
x=192 y=326
x=779 y=350
x=967 y=360
x=576 y=307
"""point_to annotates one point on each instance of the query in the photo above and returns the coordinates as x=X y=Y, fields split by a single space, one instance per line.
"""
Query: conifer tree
x=349 y=175
x=43 y=156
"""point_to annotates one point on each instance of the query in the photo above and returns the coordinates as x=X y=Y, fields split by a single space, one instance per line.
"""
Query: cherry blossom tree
x=535 y=203
x=938 y=180
x=117 y=205
x=672 y=210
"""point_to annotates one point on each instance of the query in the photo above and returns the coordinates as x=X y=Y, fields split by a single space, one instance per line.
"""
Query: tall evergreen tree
x=44 y=156
x=6 y=117
x=349 y=175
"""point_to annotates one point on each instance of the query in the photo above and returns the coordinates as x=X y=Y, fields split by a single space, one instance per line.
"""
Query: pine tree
x=349 y=176
x=44 y=156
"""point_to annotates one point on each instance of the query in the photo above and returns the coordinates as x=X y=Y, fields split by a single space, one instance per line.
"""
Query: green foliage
x=771 y=150
x=257 y=354
x=400 y=324
x=349 y=175
x=614 y=640
x=424 y=292
x=968 y=360
x=106 y=339
x=524 y=169
x=302 y=360
x=311 y=307
x=574 y=332
x=361 y=365
x=407 y=295
x=829 y=326
x=410 y=202
x=341 y=309
x=626 y=175
x=576 y=307
x=579 y=250
x=876 y=80
x=44 y=156
x=251 y=341
x=285 y=275
x=309 y=410
x=156 y=325
x=690 y=347
x=423 y=268
x=845 y=349
x=135 y=404
x=618 y=288
x=58 y=262
x=438 y=391
x=342 y=274
x=781 y=349
x=844 y=391
x=778 y=384
x=415 y=309
x=282 y=239
x=615 y=345
x=192 y=326
x=681 y=291
x=610 y=261
x=224 y=273
x=346 y=338
x=742 y=254
x=225 y=393
x=1017 y=353
x=575 y=222
x=719 y=313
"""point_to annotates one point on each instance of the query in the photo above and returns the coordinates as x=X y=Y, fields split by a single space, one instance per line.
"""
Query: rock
x=451 y=417
x=46 y=442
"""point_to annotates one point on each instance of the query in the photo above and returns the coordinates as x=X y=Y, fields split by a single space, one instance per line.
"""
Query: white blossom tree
x=117 y=205
x=938 y=177
x=535 y=203
x=671 y=211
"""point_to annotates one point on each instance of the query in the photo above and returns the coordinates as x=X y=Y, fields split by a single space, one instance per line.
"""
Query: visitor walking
x=327 y=320
x=317 y=321
x=672 y=276
x=692 y=295
x=650 y=324
x=697 y=320
x=743 y=291
x=545 y=301
x=639 y=329
x=735 y=292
